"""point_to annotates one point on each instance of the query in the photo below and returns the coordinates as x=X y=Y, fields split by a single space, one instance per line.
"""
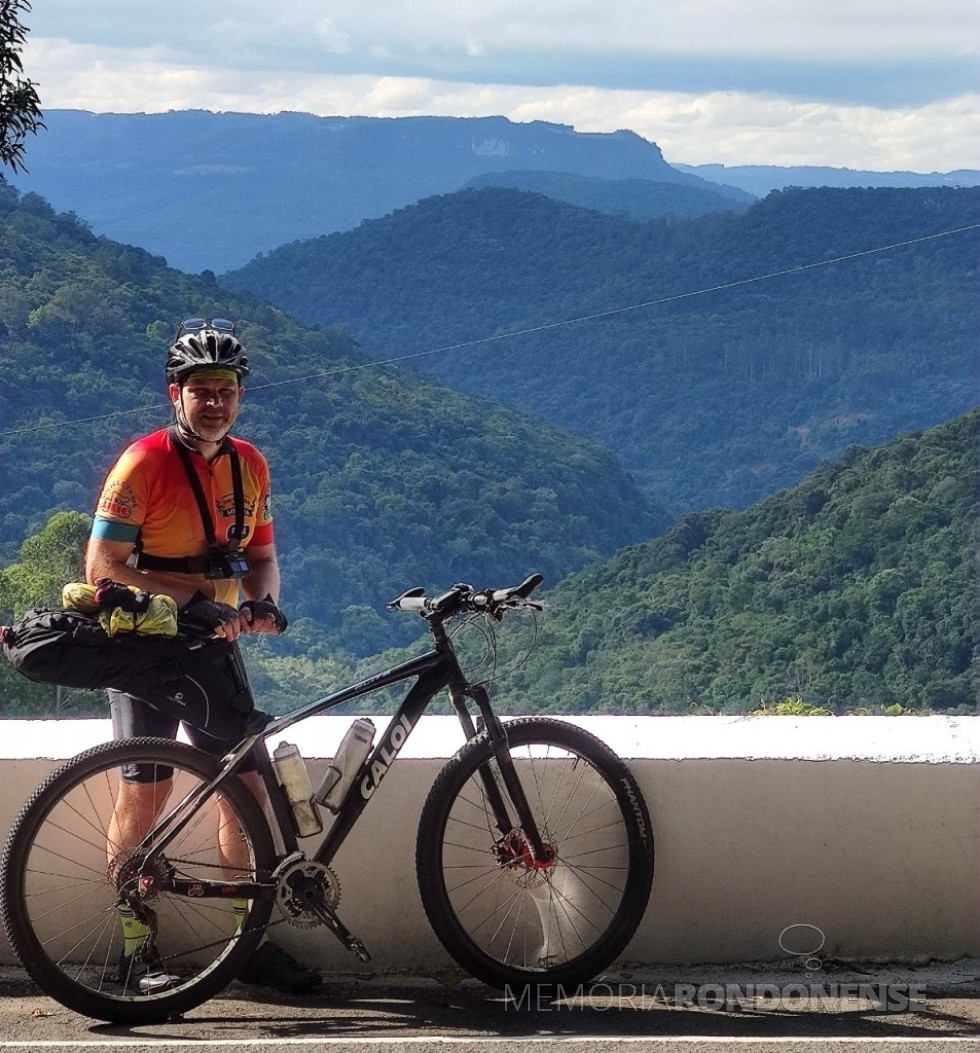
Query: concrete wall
x=847 y=837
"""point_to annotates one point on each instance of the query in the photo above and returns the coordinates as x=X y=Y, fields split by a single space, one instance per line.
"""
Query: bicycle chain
x=294 y=912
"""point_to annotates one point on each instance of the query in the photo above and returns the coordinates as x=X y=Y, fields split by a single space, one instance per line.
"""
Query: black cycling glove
x=201 y=616
x=266 y=608
x=111 y=595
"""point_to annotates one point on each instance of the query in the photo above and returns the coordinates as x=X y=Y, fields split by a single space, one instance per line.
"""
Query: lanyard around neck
x=238 y=490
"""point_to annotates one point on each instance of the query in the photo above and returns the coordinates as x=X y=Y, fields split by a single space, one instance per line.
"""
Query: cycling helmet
x=203 y=343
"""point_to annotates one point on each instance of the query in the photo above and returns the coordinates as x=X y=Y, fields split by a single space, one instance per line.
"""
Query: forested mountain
x=382 y=479
x=210 y=190
x=855 y=589
x=180 y=184
x=723 y=357
x=759 y=180
x=637 y=198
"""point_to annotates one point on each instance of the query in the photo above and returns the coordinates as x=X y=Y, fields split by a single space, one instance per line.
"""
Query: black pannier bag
x=203 y=683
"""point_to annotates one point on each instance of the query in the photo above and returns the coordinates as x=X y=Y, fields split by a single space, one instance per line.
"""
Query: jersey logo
x=226 y=507
x=118 y=500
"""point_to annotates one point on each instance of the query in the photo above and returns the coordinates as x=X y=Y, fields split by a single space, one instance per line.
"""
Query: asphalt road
x=637 y=1012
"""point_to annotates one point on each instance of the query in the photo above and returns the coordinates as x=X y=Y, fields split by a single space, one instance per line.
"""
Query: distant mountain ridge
x=211 y=190
x=638 y=198
x=762 y=179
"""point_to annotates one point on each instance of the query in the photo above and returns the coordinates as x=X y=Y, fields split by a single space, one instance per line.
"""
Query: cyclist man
x=185 y=511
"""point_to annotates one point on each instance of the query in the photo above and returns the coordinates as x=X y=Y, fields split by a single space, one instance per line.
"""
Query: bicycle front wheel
x=79 y=899
x=506 y=917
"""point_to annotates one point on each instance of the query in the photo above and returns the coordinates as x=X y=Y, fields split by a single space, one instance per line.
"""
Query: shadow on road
x=381 y=1008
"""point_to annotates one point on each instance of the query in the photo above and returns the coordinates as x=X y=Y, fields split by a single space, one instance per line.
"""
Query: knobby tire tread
x=130 y=1009
x=439 y=909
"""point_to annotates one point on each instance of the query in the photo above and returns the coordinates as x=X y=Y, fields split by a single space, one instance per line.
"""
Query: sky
x=880 y=85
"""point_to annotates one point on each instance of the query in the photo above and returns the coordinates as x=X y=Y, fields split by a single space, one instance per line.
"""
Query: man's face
x=210 y=405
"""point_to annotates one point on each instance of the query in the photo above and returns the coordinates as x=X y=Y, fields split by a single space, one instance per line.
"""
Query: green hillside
x=717 y=398
x=857 y=588
x=382 y=480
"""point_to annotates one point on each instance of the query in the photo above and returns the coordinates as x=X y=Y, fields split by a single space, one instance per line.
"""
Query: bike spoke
x=515 y=915
x=85 y=886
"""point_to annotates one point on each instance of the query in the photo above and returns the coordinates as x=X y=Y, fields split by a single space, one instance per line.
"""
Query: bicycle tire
x=59 y=891
x=510 y=922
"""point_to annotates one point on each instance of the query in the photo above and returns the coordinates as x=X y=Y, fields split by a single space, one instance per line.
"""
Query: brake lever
x=518 y=603
x=526 y=605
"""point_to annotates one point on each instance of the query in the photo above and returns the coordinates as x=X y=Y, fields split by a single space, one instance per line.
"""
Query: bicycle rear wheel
x=66 y=874
x=510 y=919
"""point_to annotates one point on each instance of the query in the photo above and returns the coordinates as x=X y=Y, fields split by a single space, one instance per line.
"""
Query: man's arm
x=107 y=559
x=261 y=581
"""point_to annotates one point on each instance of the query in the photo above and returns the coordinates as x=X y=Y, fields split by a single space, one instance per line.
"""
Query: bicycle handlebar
x=462 y=598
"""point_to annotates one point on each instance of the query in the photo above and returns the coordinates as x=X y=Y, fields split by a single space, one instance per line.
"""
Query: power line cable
x=612 y=311
x=511 y=334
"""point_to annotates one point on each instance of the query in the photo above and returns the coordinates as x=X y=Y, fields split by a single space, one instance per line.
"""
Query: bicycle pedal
x=359 y=950
x=340 y=930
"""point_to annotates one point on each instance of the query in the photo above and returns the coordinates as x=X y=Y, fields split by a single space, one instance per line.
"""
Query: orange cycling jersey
x=147 y=500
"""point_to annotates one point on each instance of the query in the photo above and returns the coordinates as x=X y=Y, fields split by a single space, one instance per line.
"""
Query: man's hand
x=110 y=594
x=204 y=617
x=263 y=616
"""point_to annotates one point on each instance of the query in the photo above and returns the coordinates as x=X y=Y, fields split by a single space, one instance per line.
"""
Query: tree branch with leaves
x=20 y=106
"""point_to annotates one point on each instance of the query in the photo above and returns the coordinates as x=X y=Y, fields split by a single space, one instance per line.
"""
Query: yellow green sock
x=134 y=931
x=239 y=908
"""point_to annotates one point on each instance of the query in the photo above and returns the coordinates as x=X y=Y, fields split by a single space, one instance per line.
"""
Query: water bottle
x=295 y=779
x=343 y=769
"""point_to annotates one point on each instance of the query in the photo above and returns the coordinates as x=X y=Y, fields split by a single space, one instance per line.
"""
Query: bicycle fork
x=541 y=853
x=522 y=825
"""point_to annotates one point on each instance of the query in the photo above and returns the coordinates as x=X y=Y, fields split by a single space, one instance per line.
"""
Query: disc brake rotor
x=517 y=861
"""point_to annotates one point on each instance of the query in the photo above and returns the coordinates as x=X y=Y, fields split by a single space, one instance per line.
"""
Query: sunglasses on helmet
x=195 y=325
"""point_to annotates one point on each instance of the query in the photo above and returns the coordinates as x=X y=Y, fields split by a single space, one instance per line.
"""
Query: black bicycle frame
x=435 y=670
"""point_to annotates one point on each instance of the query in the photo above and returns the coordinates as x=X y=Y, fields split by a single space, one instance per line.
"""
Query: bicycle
x=534 y=855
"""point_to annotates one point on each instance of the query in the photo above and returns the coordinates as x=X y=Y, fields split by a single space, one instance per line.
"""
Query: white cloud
x=513 y=34
x=805 y=27
x=690 y=127
x=333 y=39
x=739 y=129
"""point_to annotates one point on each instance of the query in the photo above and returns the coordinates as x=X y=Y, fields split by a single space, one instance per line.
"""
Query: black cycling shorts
x=134 y=718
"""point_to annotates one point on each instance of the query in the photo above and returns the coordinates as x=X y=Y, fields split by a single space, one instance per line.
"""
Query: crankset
x=308 y=895
x=305 y=889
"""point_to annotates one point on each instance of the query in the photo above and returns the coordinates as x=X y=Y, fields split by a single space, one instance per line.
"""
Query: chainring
x=304 y=886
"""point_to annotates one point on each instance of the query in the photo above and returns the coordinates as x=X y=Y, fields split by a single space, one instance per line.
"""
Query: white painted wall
x=864 y=828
